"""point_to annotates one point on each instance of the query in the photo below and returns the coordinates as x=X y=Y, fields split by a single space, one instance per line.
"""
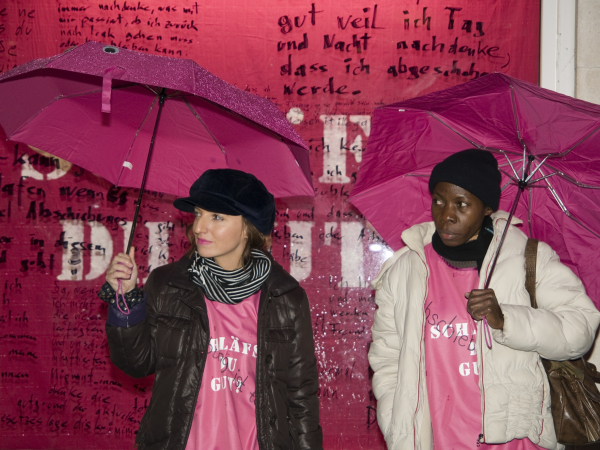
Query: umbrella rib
x=544 y=177
x=497 y=150
x=580 y=142
x=195 y=113
x=123 y=86
x=173 y=94
x=79 y=94
x=516 y=180
x=574 y=219
x=565 y=209
x=178 y=94
x=61 y=97
x=240 y=117
x=506 y=163
x=570 y=179
x=505 y=186
x=449 y=127
x=523 y=163
x=514 y=105
x=137 y=132
x=556 y=197
x=510 y=164
x=539 y=166
x=585 y=138
x=150 y=89
x=55 y=99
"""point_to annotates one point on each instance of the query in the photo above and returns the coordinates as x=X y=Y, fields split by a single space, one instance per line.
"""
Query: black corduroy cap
x=232 y=192
x=474 y=170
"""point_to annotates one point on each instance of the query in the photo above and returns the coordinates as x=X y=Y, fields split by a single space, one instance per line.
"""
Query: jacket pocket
x=282 y=335
x=170 y=338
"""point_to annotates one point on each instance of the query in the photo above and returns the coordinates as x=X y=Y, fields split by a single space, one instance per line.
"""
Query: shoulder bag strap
x=530 y=262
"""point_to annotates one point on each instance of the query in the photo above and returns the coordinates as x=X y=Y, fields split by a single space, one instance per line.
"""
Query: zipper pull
x=480 y=440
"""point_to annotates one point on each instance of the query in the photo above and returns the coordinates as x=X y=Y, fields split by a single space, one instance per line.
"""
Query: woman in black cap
x=458 y=366
x=226 y=331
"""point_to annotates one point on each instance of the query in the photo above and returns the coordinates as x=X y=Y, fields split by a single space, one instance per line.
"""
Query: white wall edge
x=557 y=42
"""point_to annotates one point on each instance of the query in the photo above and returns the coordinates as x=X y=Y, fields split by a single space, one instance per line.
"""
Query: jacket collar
x=418 y=236
x=178 y=276
x=278 y=282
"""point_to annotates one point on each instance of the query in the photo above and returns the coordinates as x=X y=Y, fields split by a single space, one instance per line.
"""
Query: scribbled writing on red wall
x=326 y=65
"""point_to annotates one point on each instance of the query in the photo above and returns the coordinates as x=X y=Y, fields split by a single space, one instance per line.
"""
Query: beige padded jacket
x=515 y=401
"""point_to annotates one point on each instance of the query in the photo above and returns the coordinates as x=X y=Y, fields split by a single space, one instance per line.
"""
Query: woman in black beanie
x=458 y=366
x=226 y=331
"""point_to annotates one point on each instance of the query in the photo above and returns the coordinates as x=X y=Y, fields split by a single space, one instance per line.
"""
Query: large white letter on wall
x=300 y=249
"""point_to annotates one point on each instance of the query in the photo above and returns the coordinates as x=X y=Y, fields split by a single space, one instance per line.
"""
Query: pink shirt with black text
x=451 y=361
x=225 y=415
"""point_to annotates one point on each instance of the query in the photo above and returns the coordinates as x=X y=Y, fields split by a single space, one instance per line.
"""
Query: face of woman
x=221 y=237
x=458 y=214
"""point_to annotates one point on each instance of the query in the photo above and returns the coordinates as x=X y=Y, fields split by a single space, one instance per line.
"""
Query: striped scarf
x=230 y=286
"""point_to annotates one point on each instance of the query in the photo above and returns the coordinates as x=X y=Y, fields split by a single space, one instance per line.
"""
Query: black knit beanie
x=474 y=170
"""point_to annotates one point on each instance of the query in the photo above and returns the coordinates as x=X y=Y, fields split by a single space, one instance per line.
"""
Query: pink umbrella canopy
x=545 y=142
x=97 y=106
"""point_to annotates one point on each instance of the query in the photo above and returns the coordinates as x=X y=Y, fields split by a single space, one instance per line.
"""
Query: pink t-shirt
x=225 y=415
x=451 y=361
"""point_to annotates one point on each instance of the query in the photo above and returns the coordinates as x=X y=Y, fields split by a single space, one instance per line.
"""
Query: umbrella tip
x=110 y=49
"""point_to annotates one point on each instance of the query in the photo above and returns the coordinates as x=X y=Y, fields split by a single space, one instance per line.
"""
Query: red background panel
x=326 y=65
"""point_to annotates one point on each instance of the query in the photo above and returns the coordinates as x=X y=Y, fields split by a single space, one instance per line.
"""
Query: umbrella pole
x=161 y=101
x=522 y=185
x=510 y=216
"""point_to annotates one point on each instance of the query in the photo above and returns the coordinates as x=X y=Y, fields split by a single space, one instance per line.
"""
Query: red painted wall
x=326 y=64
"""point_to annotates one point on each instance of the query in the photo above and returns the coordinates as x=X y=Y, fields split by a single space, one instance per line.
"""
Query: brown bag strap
x=530 y=263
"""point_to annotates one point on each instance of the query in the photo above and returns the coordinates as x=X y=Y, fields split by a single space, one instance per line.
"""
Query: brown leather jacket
x=172 y=343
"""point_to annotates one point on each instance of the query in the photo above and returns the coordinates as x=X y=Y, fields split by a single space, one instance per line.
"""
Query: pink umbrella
x=148 y=121
x=547 y=146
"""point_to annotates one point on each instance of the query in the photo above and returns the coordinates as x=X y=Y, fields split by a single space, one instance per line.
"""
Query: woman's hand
x=483 y=303
x=123 y=267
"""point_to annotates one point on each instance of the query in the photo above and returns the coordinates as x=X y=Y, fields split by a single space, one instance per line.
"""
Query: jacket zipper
x=418 y=384
x=260 y=341
x=199 y=382
x=481 y=439
x=420 y=356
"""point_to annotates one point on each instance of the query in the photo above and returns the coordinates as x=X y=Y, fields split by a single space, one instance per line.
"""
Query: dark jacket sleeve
x=132 y=349
x=303 y=382
x=137 y=313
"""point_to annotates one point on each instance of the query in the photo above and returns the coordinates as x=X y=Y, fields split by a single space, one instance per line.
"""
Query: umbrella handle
x=120 y=291
x=487 y=333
